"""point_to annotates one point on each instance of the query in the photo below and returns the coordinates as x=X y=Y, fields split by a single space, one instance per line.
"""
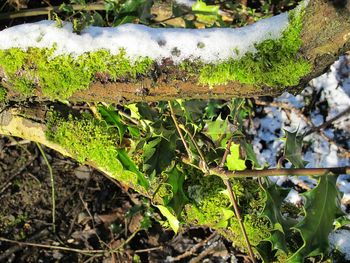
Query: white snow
x=294 y=197
x=334 y=90
x=187 y=3
x=340 y=240
x=208 y=45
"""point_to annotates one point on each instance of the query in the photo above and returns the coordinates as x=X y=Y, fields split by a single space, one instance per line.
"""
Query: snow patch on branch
x=207 y=45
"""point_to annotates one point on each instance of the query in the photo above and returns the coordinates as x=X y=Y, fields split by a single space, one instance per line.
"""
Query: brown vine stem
x=205 y=164
x=179 y=130
x=233 y=200
x=48 y=10
x=280 y=172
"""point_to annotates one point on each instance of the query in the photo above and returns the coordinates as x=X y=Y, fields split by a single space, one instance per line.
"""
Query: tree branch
x=325 y=36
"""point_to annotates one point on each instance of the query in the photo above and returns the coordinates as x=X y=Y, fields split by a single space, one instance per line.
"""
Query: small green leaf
x=341 y=221
x=112 y=118
x=130 y=6
x=227 y=214
x=206 y=13
x=217 y=130
x=173 y=221
x=233 y=161
x=293 y=149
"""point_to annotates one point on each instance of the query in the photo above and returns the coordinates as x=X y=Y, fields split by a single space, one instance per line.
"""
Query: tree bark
x=325 y=36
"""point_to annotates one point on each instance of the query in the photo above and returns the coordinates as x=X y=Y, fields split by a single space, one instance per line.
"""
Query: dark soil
x=92 y=213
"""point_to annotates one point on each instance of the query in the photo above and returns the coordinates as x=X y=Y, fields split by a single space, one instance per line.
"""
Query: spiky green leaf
x=321 y=209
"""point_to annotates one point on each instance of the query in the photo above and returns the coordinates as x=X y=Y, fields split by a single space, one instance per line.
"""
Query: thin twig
x=329 y=122
x=227 y=151
x=193 y=249
x=179 y=130
x=47 y=10
x=29 y=244
x=280 y=172
x=148 y=249
x=53 y=199
x=239 y=218
x=7 y=253
x=234 y=203
x=206 y=166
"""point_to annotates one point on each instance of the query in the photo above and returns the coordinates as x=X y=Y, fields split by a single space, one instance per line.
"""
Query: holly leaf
x=293 y=149
x=173 y=221
x=272 y=210
x=321 y=209
x=176 y=179
x=233 y=160
x=158 y=154
x=131 y=166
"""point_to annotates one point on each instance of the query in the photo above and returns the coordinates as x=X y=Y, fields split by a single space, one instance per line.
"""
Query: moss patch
x=90 y=140
x=61 y=76
x=210 y=206
x=3 y=94
x=275 y=64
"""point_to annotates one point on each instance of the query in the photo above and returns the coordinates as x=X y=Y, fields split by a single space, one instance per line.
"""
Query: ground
x=92 y=212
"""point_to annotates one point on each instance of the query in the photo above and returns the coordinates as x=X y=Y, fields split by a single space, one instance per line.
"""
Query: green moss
x=88 y=139
x=61 y=76
x=275 y=64
x=3 y=94
x=209 y=205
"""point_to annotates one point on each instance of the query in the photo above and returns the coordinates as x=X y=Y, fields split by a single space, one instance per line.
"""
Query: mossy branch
x=314 y=39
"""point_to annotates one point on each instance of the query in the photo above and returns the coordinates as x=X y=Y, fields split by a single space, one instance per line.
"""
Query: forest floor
x=92 y=213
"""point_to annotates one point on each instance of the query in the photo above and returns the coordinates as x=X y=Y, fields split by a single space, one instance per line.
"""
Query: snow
x=340 y=240
x=334 y=97
x=320 y=153
x=208 y=45
x=187 y=3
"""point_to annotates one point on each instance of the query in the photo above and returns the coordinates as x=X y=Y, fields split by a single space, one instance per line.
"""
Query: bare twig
x=280 y=172
x=206 y=166
x=48 y=10
x=148 y=249
x=329 y=122
x=53 y=198
x=193 y=249
x=179 y=130
x=227 y=151
x=29 y=244
x=239 y=218
x=234 y=203
x=7 y=253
